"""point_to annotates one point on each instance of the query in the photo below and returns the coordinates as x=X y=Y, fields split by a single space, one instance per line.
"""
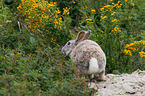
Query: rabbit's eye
x=68 y=43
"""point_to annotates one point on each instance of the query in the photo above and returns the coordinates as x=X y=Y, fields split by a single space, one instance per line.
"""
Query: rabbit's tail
x=93 y=66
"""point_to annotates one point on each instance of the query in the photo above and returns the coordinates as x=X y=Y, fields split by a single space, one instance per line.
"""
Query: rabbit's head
x=82 y=35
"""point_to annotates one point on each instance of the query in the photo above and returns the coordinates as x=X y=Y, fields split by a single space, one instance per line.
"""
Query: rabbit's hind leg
x=101 y=76
x=90 y=76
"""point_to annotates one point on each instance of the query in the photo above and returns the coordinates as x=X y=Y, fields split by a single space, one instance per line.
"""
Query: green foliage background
x=31 y=62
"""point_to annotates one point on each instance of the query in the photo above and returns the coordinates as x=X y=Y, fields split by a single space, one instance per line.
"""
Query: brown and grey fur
x=82 y=50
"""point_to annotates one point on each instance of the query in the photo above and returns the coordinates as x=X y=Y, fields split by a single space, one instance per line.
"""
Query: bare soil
x=121 y=85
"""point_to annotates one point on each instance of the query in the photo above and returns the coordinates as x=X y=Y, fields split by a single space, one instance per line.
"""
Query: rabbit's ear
x=80 y=36
x=87 y=35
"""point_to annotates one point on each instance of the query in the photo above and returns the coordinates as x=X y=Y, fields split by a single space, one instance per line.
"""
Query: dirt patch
x=121 y=85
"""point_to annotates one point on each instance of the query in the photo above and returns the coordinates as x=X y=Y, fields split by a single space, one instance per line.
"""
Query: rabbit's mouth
x=66 y=52
x=62 y=51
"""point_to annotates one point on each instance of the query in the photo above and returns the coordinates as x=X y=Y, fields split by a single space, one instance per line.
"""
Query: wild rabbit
x=87 y=54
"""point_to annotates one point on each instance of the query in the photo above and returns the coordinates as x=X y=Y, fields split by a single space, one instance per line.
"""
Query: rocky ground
x=121 y=85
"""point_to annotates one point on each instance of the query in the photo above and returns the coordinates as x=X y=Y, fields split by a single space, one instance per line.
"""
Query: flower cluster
x=103 y=18
x=142 y=54
x=39 y=13
x=115 y=30
x=52 y=40
x=131 y=4
x=117 y=5
x=127 y=52
x=105 y=7
x=134 y=46
x=114 y=20
x=110 y=7
x=58 y=23
x=65 y=11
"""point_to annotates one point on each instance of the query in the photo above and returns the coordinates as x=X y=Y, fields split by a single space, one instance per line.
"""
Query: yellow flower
x=107 y=6
x=127 y=45
x=79 y=28
x=116 y=28
x=125 y=0
x=88 y=19
x=118 y=1
x=102 y=18
x=101 y=9
x=26 y=19
x=93 y=10
x=134 y=49
x=114 y=33
x=55 y=3
x=114 y=20
x=119 y=6
x=131 y=4
x=105 y=17
x=67 y=13
x=129 y=52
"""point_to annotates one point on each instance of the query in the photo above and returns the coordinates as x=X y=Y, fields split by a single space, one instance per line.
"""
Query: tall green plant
x=4 y=15
x=43 y=73
x=45 y=20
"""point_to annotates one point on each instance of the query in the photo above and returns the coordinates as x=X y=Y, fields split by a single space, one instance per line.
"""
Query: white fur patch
x=93 y=66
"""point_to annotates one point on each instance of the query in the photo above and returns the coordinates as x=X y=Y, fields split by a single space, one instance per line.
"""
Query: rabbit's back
x=84 y=51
